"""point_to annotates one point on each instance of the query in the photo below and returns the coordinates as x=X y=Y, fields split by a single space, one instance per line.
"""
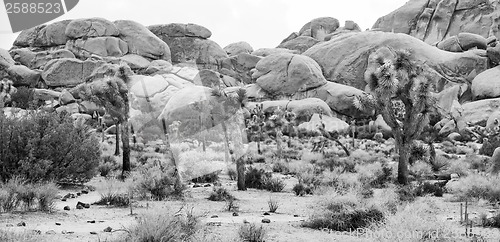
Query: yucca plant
x=400 y=91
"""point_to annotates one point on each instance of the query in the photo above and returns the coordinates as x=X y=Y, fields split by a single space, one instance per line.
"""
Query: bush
x=301 y=190
x=344 y=213
x=429 y=188
x=480 y=163
x=280 y=166
x=17 y=193
x=274 y=184
x=476 y=186
x=220 y=194
x=255 y=178
x=207 y=178
x=24 y=98
x=491 y=222
x=231 y=205
x=273 y=205
x=231 y=172
x=47 y=147
x=165 y=228
x=252 y=233
x=107 y=165
x=406 y=193
x=156 y=183
x=114 y=192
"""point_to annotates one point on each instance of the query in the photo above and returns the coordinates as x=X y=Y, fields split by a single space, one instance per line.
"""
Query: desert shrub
x=107 y=165
x=414 y=223
x=476 y=186
x=421 y=169
x=374 y=174
x=489 y=147
x=252 y=233
x=291 y=153
x=361 y=156
x=344 y=213
x=273 y=204
x=274 y=184
x=255 y=178
x=24 y=98
x=231 y=172
x=165 y=228
x=429 y=188
x=448 y=147
x=460 y=167
x=255 y=158
x=10 y=235
x=231 y=205
x=440 y=163
x=309 y=178
x=220 y=194
x=494 y=221
x=480 y=163
x=207 y=178
x=156 y=183
x=311 y=157
x=406 y=193
x=300 y=189
x=18 y=194
x=280 y=166
x=47 y=146
x=114 y=192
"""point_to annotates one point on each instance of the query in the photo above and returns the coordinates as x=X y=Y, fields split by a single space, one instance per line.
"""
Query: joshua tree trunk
x=170 y=153
x=126 y=148
x=278 y=143
x=226 y=143
x=204 y=142
x=404 y=157
x=117 y=140
x=432 y=152
x=240 y=169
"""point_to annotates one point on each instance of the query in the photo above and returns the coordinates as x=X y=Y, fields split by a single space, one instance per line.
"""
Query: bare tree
x=400 y=91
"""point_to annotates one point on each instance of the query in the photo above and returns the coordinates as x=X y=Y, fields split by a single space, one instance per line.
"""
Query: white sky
x=262 y=23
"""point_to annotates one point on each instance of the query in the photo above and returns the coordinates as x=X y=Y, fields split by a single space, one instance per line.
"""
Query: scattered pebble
x=23 y=224
x=266 y=213
x=78 y=194
x=208 y=185
x=196 y=185
x=235 y=214
x=79 y=206
x=50 y=232
x=67 y=232
x=9 y=225
x=58 y=223
x=92 y=232
x=36 y=231
x=67 y=208
x=91 y=221
x=266 y=220
x=214 y=216
x=63 y=200
x=85 y=192
x=295 y=215
x=108 y=229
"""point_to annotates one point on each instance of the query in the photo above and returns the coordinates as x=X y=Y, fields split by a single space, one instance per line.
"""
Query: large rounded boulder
x=349 y=58
x=287 y=74
x=486 y=84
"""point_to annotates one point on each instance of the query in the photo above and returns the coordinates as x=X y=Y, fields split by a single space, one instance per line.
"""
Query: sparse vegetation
x=19 y=194
x=220 y=194
x=252 y=233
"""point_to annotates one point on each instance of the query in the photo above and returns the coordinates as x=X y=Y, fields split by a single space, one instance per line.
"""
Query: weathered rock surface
x=240 y=67
x=68 y=72
x=332 y=124
x=43 y=35
x=478 y=112
x=434 y=21
x=263 y=52
x=22 y=75
x=287 y=74
x=486 y=84
x=91 y=27
x=38 y=60
x=300 y=44
x=101 y=46
x=238 y=48
x=320 y=27
x=351 y=58
x=141 y=41
x=181 y=30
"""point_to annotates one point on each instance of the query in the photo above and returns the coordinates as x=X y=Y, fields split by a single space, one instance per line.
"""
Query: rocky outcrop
x=263 y=52
x=463 y=42
x=478 y=112
x=90 y=27
x=43 y=35
x=351 y=58
x=101 y=46
x=68 y=72
x=22 y=75
x=331 y=124
x=141 y=41
x=38 y=60
x=486 y=84
x=434 y=21
x=190 y=48
x=300 y=44
x=287 y=74
x=318 y=28
x=240 y=67
x=238 y=48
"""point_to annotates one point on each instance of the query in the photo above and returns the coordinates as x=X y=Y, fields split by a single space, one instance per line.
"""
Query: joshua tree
x=255 y=124
x=225 y=107
x=6 y=91
x=400 y=84
x=277 y=122
x=112 y=93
